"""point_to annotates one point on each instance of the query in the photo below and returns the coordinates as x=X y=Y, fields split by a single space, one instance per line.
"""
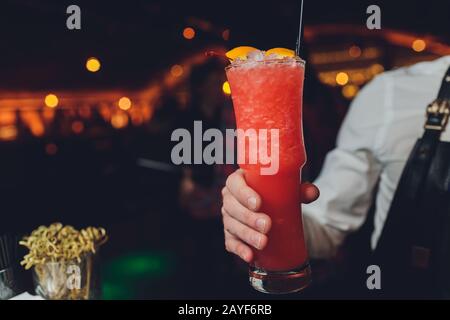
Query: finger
x=242 y=232
x=238 y=187
x=309 y=192
x=257 y=221
x=224 y=191
x=234 y=245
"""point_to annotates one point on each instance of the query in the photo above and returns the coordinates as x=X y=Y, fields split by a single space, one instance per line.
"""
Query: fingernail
x=243 y=256
x=256 y=240
x=261 y=225
x=252 y=203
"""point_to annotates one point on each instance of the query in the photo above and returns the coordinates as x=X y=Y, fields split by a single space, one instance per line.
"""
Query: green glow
x=112 y=292
x=125 y=276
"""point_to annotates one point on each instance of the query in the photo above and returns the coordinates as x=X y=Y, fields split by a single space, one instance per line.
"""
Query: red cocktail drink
x=268 y=95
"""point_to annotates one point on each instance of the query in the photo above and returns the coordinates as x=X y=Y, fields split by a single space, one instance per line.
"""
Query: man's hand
x=244 y=226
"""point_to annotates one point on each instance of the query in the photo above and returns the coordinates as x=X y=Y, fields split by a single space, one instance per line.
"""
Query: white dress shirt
x=377 y=136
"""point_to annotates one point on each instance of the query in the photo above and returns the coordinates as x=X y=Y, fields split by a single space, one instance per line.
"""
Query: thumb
x=308 y=192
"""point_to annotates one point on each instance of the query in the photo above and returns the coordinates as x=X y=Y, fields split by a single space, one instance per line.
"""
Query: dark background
x=135 y=38
x=159 y=247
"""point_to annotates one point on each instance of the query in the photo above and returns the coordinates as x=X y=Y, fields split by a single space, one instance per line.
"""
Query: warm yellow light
x=8 y=133
x=93 y=64
x=48 y=115
x=7 y=117
x=189 y=33
x=226 y=87
x=176 y=71
x=147 y=112
x=342 y=78
x=419 y=45
x=137 y=118
x=34 y=122
x=37 y=128
x=124 y=103
x=355 y=52
x=51 y=101
x=77 y=127
x=358 y=78
x=376 y=69
x=350 y=91
x=119 y=120
x=105 y=112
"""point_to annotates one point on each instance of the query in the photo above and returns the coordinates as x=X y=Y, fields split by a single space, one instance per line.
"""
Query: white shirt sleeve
x=349 y=175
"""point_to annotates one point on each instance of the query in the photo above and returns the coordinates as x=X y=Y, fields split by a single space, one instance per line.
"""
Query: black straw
x=300 y=27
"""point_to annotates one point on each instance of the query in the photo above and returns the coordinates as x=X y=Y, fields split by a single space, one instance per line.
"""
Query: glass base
x=280 y=282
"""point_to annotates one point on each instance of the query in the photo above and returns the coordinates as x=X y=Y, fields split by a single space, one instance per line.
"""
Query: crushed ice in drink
x=274 y=56
x=256 y=56
x=253 y=58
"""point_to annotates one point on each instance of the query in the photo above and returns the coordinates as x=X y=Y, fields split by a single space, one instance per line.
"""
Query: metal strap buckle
x=438 y=114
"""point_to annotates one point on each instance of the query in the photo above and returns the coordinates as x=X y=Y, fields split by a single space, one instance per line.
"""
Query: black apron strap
x=406 y=239
x=437 y=117
x=444 y=93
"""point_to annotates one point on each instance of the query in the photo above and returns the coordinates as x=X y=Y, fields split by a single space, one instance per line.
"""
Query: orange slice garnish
x=282 y=52
x=239 y=52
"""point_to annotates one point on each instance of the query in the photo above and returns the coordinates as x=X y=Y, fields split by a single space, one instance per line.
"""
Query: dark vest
x=413 y=251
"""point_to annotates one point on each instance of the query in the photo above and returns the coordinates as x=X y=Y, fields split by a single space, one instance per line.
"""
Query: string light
x=93 y=64
x=189 y=33
x=8 y=133
x=51 y=101
x=376 y=69
x=119 y=120
x=176 y=71
x=77 y=127
x=124 y=103
x=354 y=52
x=419 y=45
x=350 y=91
x=358 y=78
x=342 y=78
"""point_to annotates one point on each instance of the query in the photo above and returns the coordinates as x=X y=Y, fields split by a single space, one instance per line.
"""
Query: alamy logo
x=73 y=22
x=73 y=277
x=253 y=147
x=374 y=20
x=374 y=280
